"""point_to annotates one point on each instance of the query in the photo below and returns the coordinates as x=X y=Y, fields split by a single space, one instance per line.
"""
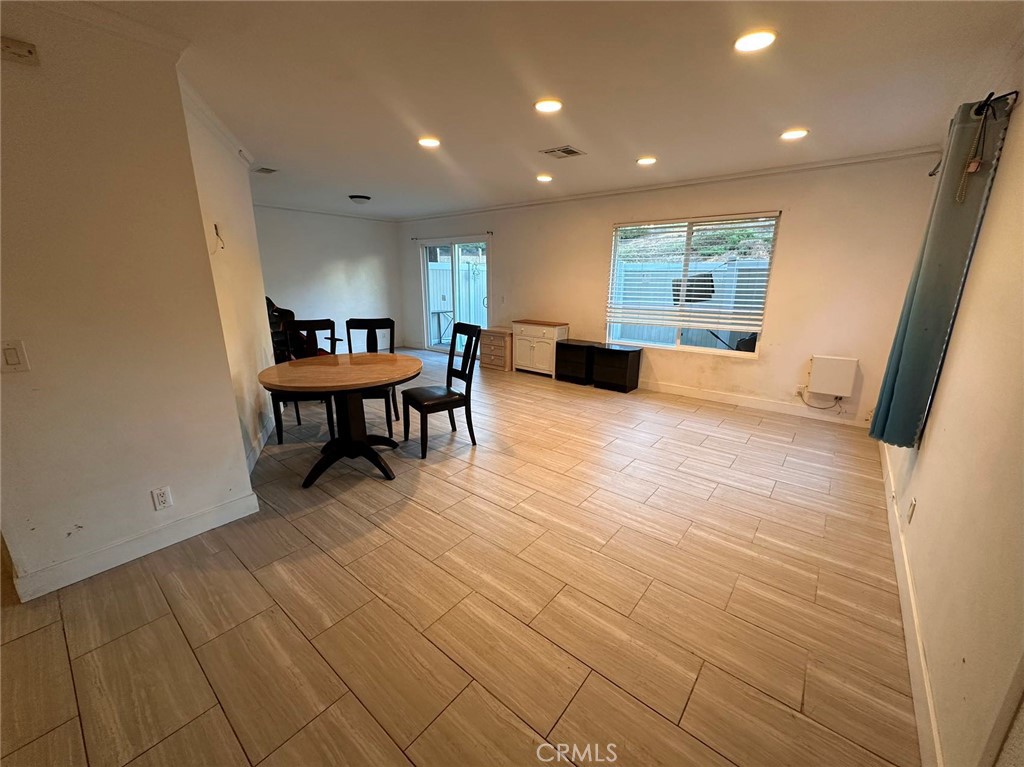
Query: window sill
x=694 y=349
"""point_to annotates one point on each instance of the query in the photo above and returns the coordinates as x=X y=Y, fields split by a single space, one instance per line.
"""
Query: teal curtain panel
x=968 y=168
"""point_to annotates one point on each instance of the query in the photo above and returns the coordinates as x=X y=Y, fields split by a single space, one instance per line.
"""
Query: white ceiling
x=335 y=94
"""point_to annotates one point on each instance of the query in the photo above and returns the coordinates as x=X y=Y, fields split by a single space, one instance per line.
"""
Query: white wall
x=107 y=279
x=847 y=241
x=334 y=267
x=965 y=546
x=222 y=178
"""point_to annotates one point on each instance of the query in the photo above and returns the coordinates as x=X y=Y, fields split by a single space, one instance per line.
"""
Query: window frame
x=690 y=223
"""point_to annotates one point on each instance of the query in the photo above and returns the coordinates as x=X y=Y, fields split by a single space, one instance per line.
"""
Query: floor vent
x=561 y=152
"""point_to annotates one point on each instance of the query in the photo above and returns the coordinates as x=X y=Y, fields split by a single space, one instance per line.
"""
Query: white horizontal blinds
x=705 y=274
x=645 y=262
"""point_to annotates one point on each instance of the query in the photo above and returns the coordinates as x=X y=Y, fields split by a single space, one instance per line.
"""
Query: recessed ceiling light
x=548 y=105
x=755 y=41
x=544 y=178
x=794 y=134
x=430 y=141
x=646 y=160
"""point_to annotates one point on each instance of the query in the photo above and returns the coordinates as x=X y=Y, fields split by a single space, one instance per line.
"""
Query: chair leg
x=330 y=416
x=423 y=434
x=387 y=415
x=451 y=418
x=394 y=400
x=405 y=409
x=278 y=423
x=298 y=418
x=469 y=424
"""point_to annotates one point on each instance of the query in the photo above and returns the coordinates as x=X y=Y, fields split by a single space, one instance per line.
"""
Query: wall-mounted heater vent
x=561 y=152
x=832 y=375
x=264 y=171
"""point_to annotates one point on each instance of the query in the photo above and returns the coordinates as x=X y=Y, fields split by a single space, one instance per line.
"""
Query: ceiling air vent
x=265 y=171
x=561 y=152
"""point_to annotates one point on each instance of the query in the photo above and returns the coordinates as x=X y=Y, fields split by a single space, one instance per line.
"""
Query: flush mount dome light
x=430 y=142
x=648 y=160
x=544 y=178
x=755 y=41
x=794 y=134
x=548 y=105
x=359 y=199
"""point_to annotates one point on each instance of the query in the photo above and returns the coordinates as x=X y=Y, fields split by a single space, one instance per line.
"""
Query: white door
x=523 y=352
x=455 y=286
x=544 y=354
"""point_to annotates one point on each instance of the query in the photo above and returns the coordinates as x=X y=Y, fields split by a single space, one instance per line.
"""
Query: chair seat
x=432 y=396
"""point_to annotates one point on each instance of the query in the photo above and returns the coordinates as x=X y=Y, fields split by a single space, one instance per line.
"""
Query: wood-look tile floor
x=695 y=583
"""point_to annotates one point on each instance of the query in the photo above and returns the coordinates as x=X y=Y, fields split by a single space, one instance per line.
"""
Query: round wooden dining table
x=344 y=377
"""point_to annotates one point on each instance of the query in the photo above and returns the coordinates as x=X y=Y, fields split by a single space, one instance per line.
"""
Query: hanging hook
x=984 y=105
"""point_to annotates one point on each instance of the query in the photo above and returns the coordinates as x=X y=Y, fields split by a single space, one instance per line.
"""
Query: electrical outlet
x=162 y=498
x=800 y=389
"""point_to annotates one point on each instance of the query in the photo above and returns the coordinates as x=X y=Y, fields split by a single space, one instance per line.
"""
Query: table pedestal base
x=352 y=440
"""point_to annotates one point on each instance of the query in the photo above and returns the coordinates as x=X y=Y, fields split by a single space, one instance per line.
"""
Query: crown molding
x=805 y=167
x=116 y=24
x=194 y=105
x=314 y=211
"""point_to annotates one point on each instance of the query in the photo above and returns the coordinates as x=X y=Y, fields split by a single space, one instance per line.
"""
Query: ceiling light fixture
x=794 y=134
x=430 y=142
x=755 y=41
x=548 y=105
x=646 y=160
x=544 y=178
x=359 y=199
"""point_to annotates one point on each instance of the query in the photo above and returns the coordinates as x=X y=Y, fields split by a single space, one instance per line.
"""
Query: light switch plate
x=14 y=360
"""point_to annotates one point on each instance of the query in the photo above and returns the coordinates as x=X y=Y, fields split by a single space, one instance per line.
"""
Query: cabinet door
x=524 y=352
x=544 y=354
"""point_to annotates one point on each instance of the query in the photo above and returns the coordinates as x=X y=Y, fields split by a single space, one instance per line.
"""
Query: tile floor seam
x=209 y=684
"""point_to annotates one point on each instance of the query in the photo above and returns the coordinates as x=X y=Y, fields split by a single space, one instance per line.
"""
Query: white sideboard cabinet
x=533 y=344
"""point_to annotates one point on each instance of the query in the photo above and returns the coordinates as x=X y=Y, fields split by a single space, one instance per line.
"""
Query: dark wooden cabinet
x=606 y=366
x=574 y=361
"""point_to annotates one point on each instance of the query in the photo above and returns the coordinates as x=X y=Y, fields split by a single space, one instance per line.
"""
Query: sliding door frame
x=424 y=277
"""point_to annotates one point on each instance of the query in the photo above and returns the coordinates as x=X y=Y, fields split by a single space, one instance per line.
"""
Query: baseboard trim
x=35 y=584
x=253 y=453
x=920 y=683
x=758 y=403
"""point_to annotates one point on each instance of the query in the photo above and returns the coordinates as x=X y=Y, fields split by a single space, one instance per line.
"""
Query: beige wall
x=965 y=546
x=222 y=178
x=335 y=267
x=107 y=279
x=846 y=244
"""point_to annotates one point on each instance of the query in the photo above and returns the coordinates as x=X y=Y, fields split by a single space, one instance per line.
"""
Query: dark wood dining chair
x=435 y=399
x=301 y=341
x=371 y=327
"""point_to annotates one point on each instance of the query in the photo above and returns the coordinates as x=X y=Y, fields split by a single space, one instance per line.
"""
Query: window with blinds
x=700 y=283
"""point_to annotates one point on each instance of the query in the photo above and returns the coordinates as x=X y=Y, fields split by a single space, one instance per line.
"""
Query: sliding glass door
x=455 y=287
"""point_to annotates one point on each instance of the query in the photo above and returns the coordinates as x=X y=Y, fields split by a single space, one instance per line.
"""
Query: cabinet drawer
x=533 y=331
x=611 y=359
x=487 y=347
x=574 y=369
x=493 y=360
x=492 y=339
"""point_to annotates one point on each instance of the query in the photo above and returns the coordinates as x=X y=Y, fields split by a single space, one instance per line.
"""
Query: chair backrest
x=466 y=366
x=371 y=326
x=277 y=316
x=302 y=340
